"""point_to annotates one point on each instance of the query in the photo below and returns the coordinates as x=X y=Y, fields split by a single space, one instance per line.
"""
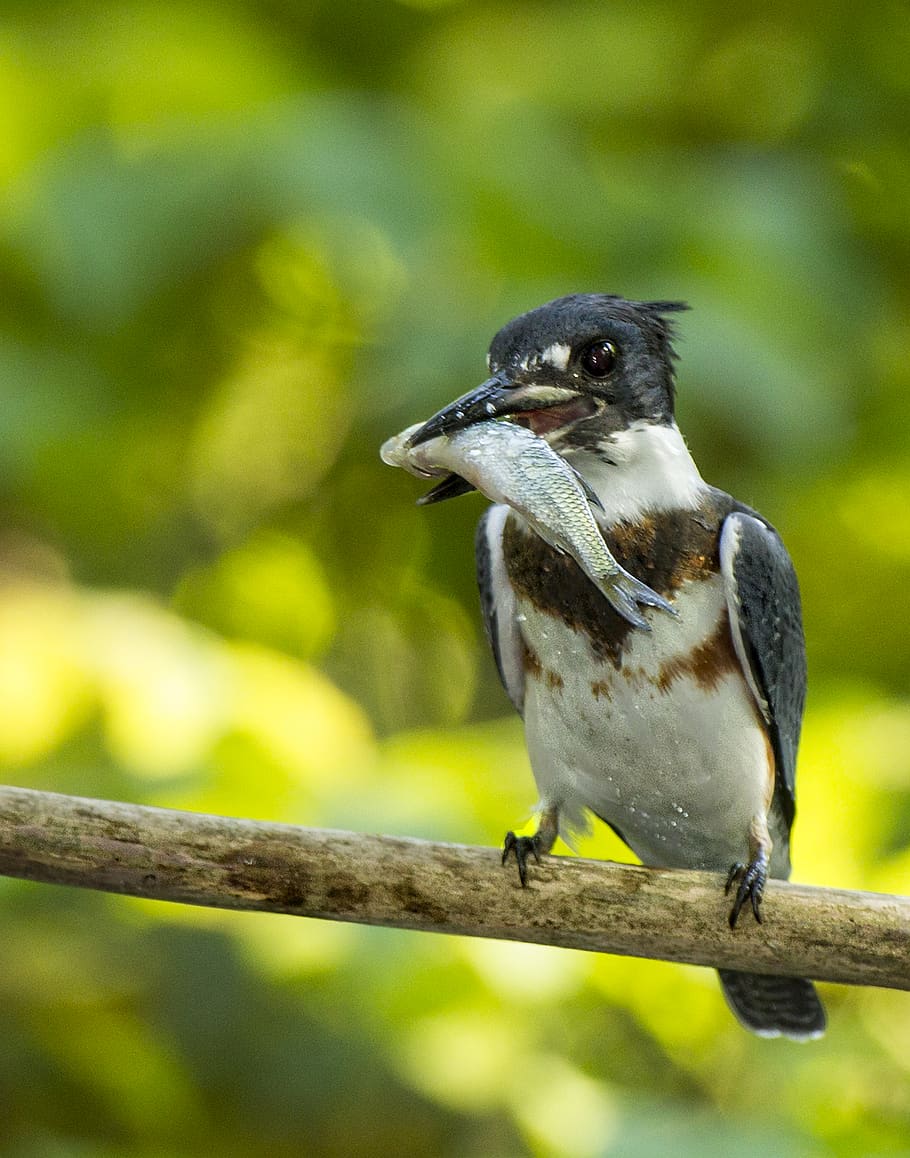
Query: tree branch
x=826 y=934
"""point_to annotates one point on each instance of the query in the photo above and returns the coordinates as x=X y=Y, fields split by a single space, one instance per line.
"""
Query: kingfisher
x=682 y=735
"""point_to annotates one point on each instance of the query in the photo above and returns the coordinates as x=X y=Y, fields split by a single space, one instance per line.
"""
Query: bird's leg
x=541 y=842
x=752 y=876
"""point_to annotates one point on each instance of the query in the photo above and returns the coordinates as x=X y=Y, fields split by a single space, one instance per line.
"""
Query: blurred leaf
x=270 y=589
x=426 y=640
x=297 y=714
x=47 y=395
x=44 y=689
x=760 y=84
x=254 y=448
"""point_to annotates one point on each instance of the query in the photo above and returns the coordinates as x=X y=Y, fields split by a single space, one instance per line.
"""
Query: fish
x=511 y=464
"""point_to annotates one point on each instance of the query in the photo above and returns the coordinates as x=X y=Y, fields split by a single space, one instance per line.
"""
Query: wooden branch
x=826 y=934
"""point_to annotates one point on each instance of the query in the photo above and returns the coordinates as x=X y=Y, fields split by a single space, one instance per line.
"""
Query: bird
x=681 y=737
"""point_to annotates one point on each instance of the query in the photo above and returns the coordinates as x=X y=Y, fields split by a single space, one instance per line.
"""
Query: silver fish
x=510 y=464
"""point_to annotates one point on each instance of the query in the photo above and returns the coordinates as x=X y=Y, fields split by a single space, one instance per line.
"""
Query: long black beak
x=494 y=398
x=451 y=487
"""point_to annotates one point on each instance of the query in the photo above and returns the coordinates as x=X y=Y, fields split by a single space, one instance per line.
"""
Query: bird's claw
x=522 y=847
x=752 y=878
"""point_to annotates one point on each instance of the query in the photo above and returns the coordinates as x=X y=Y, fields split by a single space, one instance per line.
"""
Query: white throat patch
x=645 y=468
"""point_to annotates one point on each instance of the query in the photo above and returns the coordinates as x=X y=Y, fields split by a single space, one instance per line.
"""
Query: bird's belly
x=668 y=748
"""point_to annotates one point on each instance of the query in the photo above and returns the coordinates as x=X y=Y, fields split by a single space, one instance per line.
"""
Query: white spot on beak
x=557 y=356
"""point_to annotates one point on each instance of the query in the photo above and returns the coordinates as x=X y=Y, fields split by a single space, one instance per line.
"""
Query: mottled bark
x=826 y=934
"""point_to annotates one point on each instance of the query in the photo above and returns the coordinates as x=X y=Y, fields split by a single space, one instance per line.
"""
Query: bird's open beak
x=498 y=397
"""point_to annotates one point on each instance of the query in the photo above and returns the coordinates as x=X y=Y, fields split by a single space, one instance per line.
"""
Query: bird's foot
x=751 y=878
x=522 y=847
x=541 y=842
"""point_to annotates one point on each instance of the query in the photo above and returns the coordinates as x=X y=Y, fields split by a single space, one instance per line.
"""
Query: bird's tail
x=774 y=1006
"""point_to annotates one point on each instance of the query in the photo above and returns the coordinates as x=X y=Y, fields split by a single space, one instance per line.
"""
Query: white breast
x=679 y=767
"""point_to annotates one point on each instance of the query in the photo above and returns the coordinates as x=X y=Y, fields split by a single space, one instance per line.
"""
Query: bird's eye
x=599 y=359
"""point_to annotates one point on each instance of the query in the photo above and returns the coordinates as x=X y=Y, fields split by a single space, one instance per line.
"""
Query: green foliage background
x=240 y=244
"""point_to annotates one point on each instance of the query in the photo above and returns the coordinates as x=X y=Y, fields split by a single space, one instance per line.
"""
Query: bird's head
x=575 y=371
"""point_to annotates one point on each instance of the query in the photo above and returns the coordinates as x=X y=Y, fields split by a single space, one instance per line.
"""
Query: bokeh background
x=242 y=243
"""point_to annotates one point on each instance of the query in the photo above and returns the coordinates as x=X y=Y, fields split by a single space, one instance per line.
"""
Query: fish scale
x=510 y=464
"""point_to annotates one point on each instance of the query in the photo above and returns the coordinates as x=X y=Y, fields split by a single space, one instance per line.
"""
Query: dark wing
x=498 y=604
x=766 y=620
